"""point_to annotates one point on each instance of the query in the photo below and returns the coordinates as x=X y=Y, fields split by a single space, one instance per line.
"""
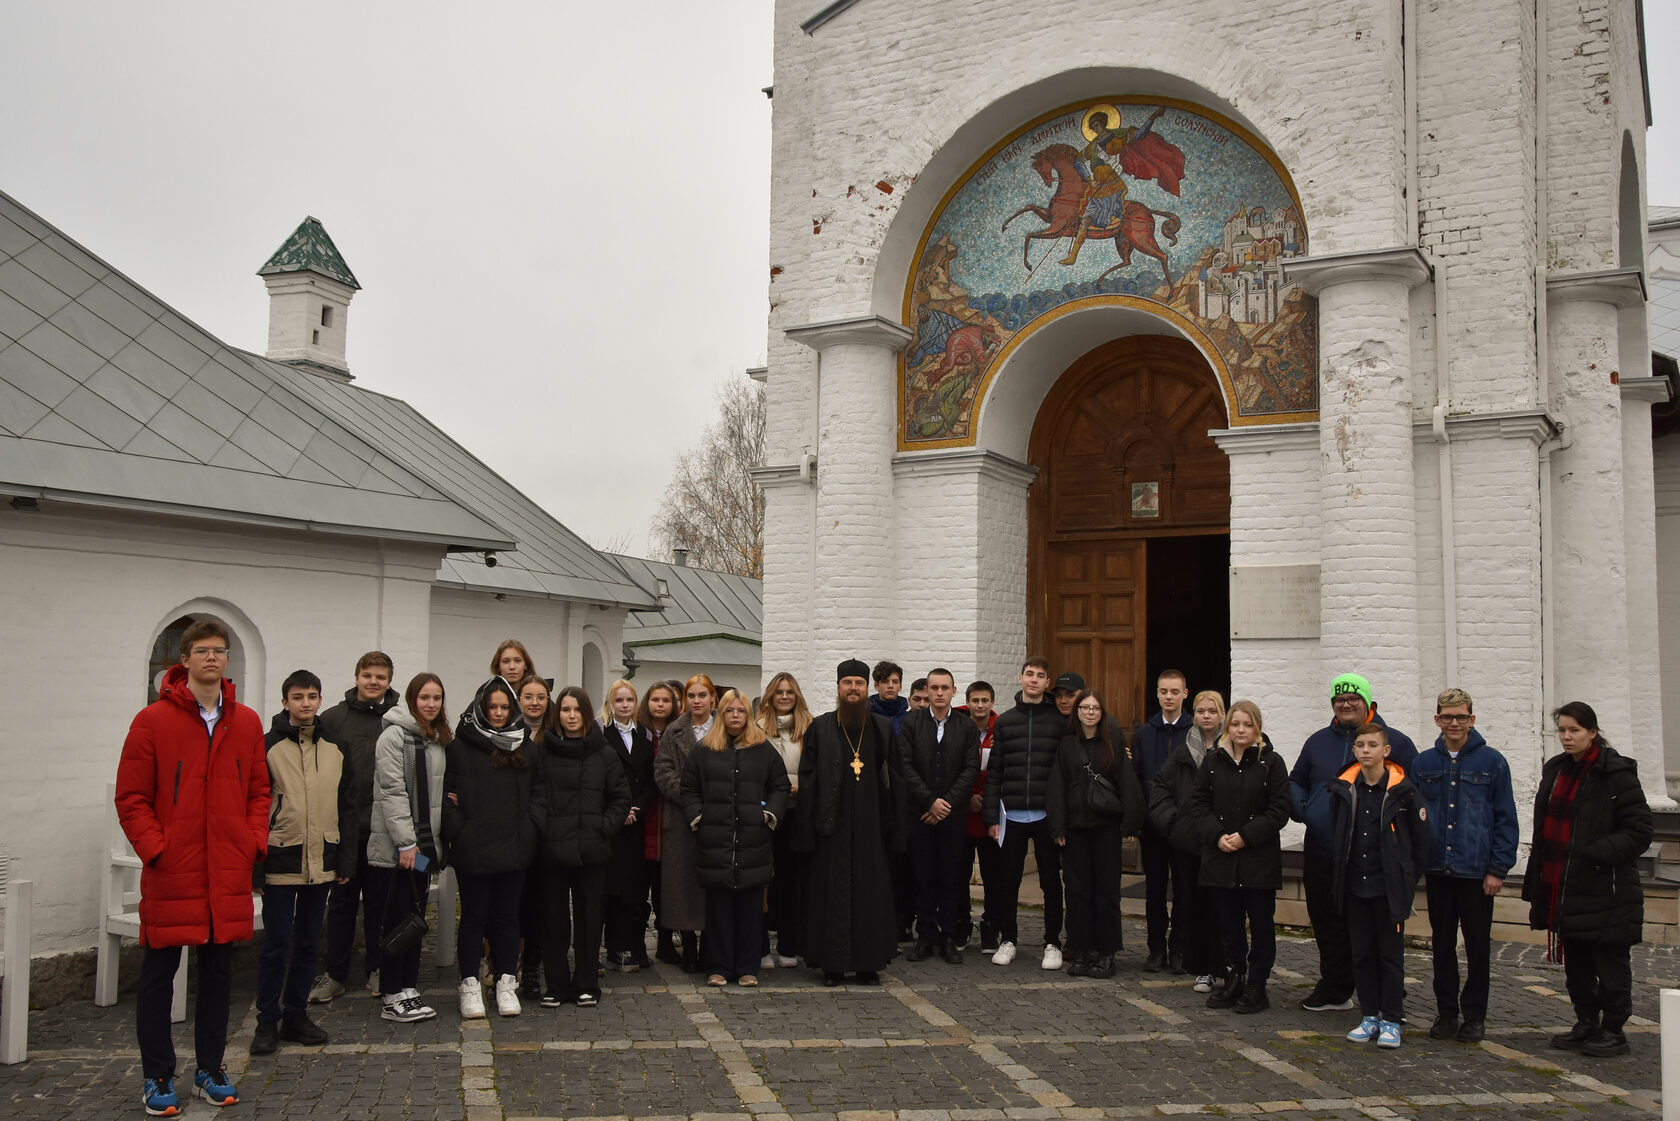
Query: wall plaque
x=1274 y=601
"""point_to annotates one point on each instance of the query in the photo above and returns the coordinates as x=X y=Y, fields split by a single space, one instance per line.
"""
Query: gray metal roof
x=703 y=605
x=109 y=397
x=1663 y=313
x=1662 y=215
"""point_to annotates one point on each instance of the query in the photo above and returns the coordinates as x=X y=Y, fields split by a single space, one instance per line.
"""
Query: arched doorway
x=1129 y=523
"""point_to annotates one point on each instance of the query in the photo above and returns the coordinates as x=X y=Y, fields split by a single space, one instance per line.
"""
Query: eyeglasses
x=1347 y=699
x=1091 y=709
x=209 y=651
x=1455 y=718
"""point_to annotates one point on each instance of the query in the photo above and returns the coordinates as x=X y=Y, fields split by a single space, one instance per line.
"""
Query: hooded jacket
x=894 y=710
x=312 y=812
x=400 y=799
x=725 y=796
x=1403 y=842
x=1471 y=806
x=194 y=804
x=1249 y=797
x=1326 y=754
x=493 y=829
x=1024 y=743
x=585 y=798
x=355 y=726
x=1602 y=898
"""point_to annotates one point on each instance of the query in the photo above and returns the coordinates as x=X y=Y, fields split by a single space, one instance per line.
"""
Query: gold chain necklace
x=857 y=751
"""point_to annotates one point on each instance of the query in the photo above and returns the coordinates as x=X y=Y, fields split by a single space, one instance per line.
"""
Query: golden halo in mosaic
x=1102 y=107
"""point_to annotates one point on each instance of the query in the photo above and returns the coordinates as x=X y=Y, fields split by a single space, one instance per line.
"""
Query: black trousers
x=1335 y=951
x=286 y=964
x=1459 y=903
x=572 y=920
x=1599 y=977
x=404 y=894
x=360 y=893
x=1379 y=957
x=990 y=855
x=936 y=861
x=787 y=893
x=734 y=931
x=1091 y=863
x=1194 y=918
x=489 y=909
x=1155 y=854
x=1049 y=858
x=531 y=905
x=1253 y=950
x=213 y=966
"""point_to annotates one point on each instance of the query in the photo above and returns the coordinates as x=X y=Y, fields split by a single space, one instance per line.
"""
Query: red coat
x=976 y=823
x=195 y=808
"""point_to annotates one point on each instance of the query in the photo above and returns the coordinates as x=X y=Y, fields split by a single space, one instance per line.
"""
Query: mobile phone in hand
x=420 y=862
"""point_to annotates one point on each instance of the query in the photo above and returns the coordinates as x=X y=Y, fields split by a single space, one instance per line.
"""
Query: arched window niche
x=246 y=662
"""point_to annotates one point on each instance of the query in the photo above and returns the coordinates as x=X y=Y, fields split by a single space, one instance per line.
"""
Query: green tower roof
x=309 y=249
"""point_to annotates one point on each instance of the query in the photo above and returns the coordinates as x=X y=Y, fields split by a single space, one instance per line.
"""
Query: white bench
x=119 y=905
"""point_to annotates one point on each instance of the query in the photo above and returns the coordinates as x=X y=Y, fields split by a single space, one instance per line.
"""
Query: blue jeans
x=291 y=923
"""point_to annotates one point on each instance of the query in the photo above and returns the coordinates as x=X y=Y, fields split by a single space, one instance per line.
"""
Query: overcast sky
x=558 y=212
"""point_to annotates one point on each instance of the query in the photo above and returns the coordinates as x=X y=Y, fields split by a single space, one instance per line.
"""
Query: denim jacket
x=1472 y=809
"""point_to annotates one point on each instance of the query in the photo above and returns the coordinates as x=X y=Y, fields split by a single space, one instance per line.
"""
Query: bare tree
x=711 y=506
x=621 y=541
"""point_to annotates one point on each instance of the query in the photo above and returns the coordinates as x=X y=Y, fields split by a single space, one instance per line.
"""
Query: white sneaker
x=766 y=963
x=785 y=962
x=1052 y=956
x=472 y=999
x=1204 y=984
x=324 y=989
x=1005 y=953
x=507 y=995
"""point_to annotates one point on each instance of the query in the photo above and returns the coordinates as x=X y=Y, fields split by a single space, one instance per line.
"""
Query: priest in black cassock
x=846 y=822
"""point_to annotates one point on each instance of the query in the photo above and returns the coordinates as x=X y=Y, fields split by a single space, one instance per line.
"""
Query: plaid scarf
x=1556 y=829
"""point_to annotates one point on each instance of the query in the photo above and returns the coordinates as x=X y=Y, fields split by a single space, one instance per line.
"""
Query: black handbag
x=406 y=935
x=1101 y=796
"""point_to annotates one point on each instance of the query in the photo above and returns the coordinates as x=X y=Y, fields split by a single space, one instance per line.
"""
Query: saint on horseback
x=1090 y=189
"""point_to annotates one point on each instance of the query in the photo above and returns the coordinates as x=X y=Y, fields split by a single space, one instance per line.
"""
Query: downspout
x=1542 y=363
x=1443 y=458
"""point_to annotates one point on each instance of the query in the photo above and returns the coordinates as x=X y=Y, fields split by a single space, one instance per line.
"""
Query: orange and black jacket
x=1406 y=838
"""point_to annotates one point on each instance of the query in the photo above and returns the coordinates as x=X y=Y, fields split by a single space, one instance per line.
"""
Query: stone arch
x=594 y=666
x=1630 y=215
x=247 y=658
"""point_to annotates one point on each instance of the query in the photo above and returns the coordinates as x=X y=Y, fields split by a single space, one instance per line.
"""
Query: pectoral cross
x=857 y=767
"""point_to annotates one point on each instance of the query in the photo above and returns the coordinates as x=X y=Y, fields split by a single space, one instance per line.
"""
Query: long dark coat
x=847 y=823
x=627 y=871
x=725 y=797
x=682 y=901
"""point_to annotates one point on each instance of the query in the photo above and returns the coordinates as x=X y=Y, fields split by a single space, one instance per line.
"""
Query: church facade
x=1265 y=342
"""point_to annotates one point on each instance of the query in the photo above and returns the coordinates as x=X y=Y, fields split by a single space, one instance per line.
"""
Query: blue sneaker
x=1366 y=1031
x=159 y=1097
x=1389 y=1035
x=213 y=1086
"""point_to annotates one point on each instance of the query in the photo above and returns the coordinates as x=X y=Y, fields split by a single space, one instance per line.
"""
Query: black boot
x=1572 y=1039
x=1100 y=966
x=1253 y=999
x=666 y=950
x=1605 y=1042
x=297 y=1027
x=266 y=1039
x=690 y=951
x=1230 y=988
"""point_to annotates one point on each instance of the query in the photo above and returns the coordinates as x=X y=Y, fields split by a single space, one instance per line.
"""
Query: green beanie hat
x=1351 y=683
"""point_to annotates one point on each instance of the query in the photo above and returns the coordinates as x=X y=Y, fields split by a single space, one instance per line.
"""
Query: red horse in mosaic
x=1058 y=166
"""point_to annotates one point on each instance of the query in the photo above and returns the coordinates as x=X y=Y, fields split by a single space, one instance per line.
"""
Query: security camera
x=490 y=558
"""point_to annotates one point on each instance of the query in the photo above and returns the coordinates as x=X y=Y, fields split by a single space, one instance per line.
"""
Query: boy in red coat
x=192 y=796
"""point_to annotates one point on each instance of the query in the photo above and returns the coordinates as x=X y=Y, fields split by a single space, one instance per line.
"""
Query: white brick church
x=1266 y=341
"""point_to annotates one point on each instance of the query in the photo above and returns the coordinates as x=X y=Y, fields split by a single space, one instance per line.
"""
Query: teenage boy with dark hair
x=888 y=702
x=1466 y=786
x=1151 y=744
x=1326 y=754
x=354 y=724
x=936 y=760
x=1017 y=778
x=979 y=846
x=1381 y=833
x=312 y=842
x=919 y=697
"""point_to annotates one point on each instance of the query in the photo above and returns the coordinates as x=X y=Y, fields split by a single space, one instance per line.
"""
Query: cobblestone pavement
x=933 y=1042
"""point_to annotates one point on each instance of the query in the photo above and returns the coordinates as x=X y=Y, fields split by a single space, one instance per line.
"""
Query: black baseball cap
x=1070 y=681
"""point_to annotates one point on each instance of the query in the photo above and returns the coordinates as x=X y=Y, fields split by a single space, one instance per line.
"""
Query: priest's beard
x=852 y=714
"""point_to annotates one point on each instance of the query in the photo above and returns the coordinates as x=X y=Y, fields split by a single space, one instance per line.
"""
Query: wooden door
x=1123 y=455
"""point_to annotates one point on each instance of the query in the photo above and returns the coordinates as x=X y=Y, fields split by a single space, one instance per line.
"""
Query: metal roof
x=702 y=605
x=309 y=249
x=1663 y=313
x=1662 y=215
x=108 y=397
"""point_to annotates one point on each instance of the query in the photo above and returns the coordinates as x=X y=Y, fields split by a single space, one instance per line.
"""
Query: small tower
x=309 y=293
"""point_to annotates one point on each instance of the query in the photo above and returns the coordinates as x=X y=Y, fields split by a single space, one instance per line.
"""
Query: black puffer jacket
x=1174 y=787
x=725 y=797
x=355 y=726
x=1602 y=899
x=1249 y=798
x=491 y=824
x=1067 y=798
x=585 y=799
x=1403 y=834
x=1024 y=744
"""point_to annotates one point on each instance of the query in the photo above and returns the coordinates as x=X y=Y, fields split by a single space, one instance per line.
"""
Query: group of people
x=728 y=820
